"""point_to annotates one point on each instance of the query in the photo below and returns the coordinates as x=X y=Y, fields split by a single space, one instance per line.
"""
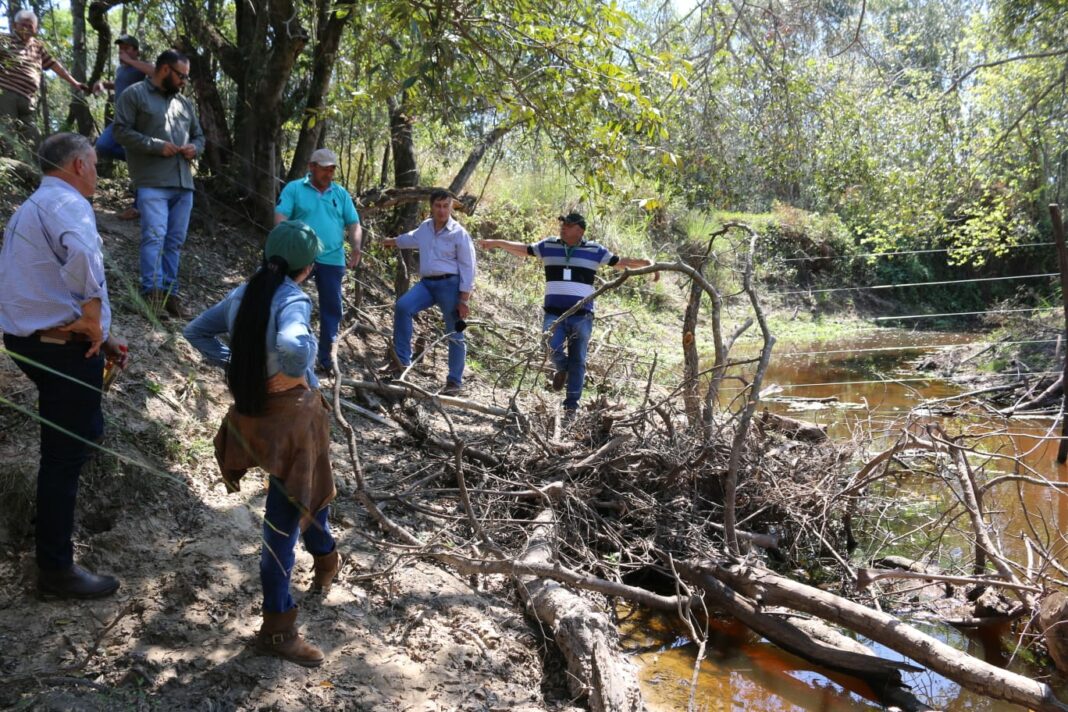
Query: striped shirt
x=21 y=64
x=569 y=271
x=51 y=262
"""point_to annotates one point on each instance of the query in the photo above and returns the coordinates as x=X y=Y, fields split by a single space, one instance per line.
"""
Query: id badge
x=567 y=274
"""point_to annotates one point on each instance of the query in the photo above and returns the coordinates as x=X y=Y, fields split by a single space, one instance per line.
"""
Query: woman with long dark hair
x=279 y=422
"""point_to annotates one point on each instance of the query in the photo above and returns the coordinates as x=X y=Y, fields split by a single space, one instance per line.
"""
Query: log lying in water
x=586 y=637
x=1043 y=399
x=866 y=577
x=891 y=695
x=809 y=640
x=968 y=671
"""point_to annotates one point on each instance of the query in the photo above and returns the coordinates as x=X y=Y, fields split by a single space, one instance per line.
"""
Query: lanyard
x=568 y=249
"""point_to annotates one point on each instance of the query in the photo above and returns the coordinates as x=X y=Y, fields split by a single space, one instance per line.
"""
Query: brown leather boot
x=326 y=567
x=279 y=637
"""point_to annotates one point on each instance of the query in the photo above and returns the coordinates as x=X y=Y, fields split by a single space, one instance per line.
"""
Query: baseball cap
x=573 y=219
x=294 y=241
x=323 y=157
x=129 y=40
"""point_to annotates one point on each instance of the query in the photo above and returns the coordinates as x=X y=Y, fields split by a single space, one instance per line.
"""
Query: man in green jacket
x=158 y=127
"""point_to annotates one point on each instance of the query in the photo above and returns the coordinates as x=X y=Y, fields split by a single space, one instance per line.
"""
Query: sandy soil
x=153 y=512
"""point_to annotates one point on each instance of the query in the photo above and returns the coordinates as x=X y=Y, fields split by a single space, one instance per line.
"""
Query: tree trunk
x=475 y=157
x=210 y=110
x=807 y=641
x=1053 y=622
x=269 y=39
x=98 y=19
x=405 y=175
x=588 y=640
x=78 y=114
x=971 y=673
x=691 y=394
x=324 y=57
x=383 y=175
x=793 y=428
x=38 y=8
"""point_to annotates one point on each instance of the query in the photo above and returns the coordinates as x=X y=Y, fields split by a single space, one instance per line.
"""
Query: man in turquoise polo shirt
x=327 y=207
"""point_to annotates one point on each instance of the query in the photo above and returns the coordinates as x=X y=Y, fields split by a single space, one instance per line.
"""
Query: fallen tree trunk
x=402 y=390
x=883 y=675
x=969 y=672
x=586 y=637
x=866 y=577
x=379 y=199
x=1043 y=399
x=890 y=695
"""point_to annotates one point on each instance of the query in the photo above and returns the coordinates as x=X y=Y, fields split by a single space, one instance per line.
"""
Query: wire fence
x=834 y=354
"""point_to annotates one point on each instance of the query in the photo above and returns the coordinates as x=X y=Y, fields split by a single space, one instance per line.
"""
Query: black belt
x=433 y=277
x=560 y=312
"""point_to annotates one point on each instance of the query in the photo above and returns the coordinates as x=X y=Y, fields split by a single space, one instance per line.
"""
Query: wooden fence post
x=1062 y=261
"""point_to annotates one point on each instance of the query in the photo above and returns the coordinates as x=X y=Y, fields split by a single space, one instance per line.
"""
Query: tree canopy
x=916 y=122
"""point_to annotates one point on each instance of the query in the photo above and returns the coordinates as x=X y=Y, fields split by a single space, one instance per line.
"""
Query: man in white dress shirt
x=56 y=319
x=447 y=278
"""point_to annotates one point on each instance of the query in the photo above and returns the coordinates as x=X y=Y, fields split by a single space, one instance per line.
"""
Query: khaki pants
x=17 y=116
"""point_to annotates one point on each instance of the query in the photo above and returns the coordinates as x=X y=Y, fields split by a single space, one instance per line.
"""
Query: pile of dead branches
x=680 y=503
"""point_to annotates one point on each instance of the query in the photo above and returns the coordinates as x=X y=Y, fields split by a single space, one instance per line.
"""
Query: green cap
x=293 y=241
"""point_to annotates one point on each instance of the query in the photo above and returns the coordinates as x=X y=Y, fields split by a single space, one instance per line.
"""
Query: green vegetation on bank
x=931 y=131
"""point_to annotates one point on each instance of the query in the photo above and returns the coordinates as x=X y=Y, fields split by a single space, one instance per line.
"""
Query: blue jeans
x=164 y=222
x=107 y=146
x=281 y=526
x=575 y=331
x=328 y=279
x=423 y=295
x=65 y=406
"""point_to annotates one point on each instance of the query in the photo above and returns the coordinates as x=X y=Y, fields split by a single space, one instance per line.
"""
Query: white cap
x=323 y=157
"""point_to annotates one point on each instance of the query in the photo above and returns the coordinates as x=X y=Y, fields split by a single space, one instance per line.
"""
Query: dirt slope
x=153 y=512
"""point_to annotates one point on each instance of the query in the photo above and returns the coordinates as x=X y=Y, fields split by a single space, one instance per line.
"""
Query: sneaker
x=130 y=213
x=559 y=379
x=451 y=389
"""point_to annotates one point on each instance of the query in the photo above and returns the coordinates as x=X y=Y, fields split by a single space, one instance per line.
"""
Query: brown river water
x=743 y=672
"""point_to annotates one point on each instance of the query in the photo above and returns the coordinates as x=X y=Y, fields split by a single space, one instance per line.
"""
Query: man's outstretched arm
x=519 y=249
x=634 y=263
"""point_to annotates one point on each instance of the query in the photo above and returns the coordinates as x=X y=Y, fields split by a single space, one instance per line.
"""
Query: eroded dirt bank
x=152 y=511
